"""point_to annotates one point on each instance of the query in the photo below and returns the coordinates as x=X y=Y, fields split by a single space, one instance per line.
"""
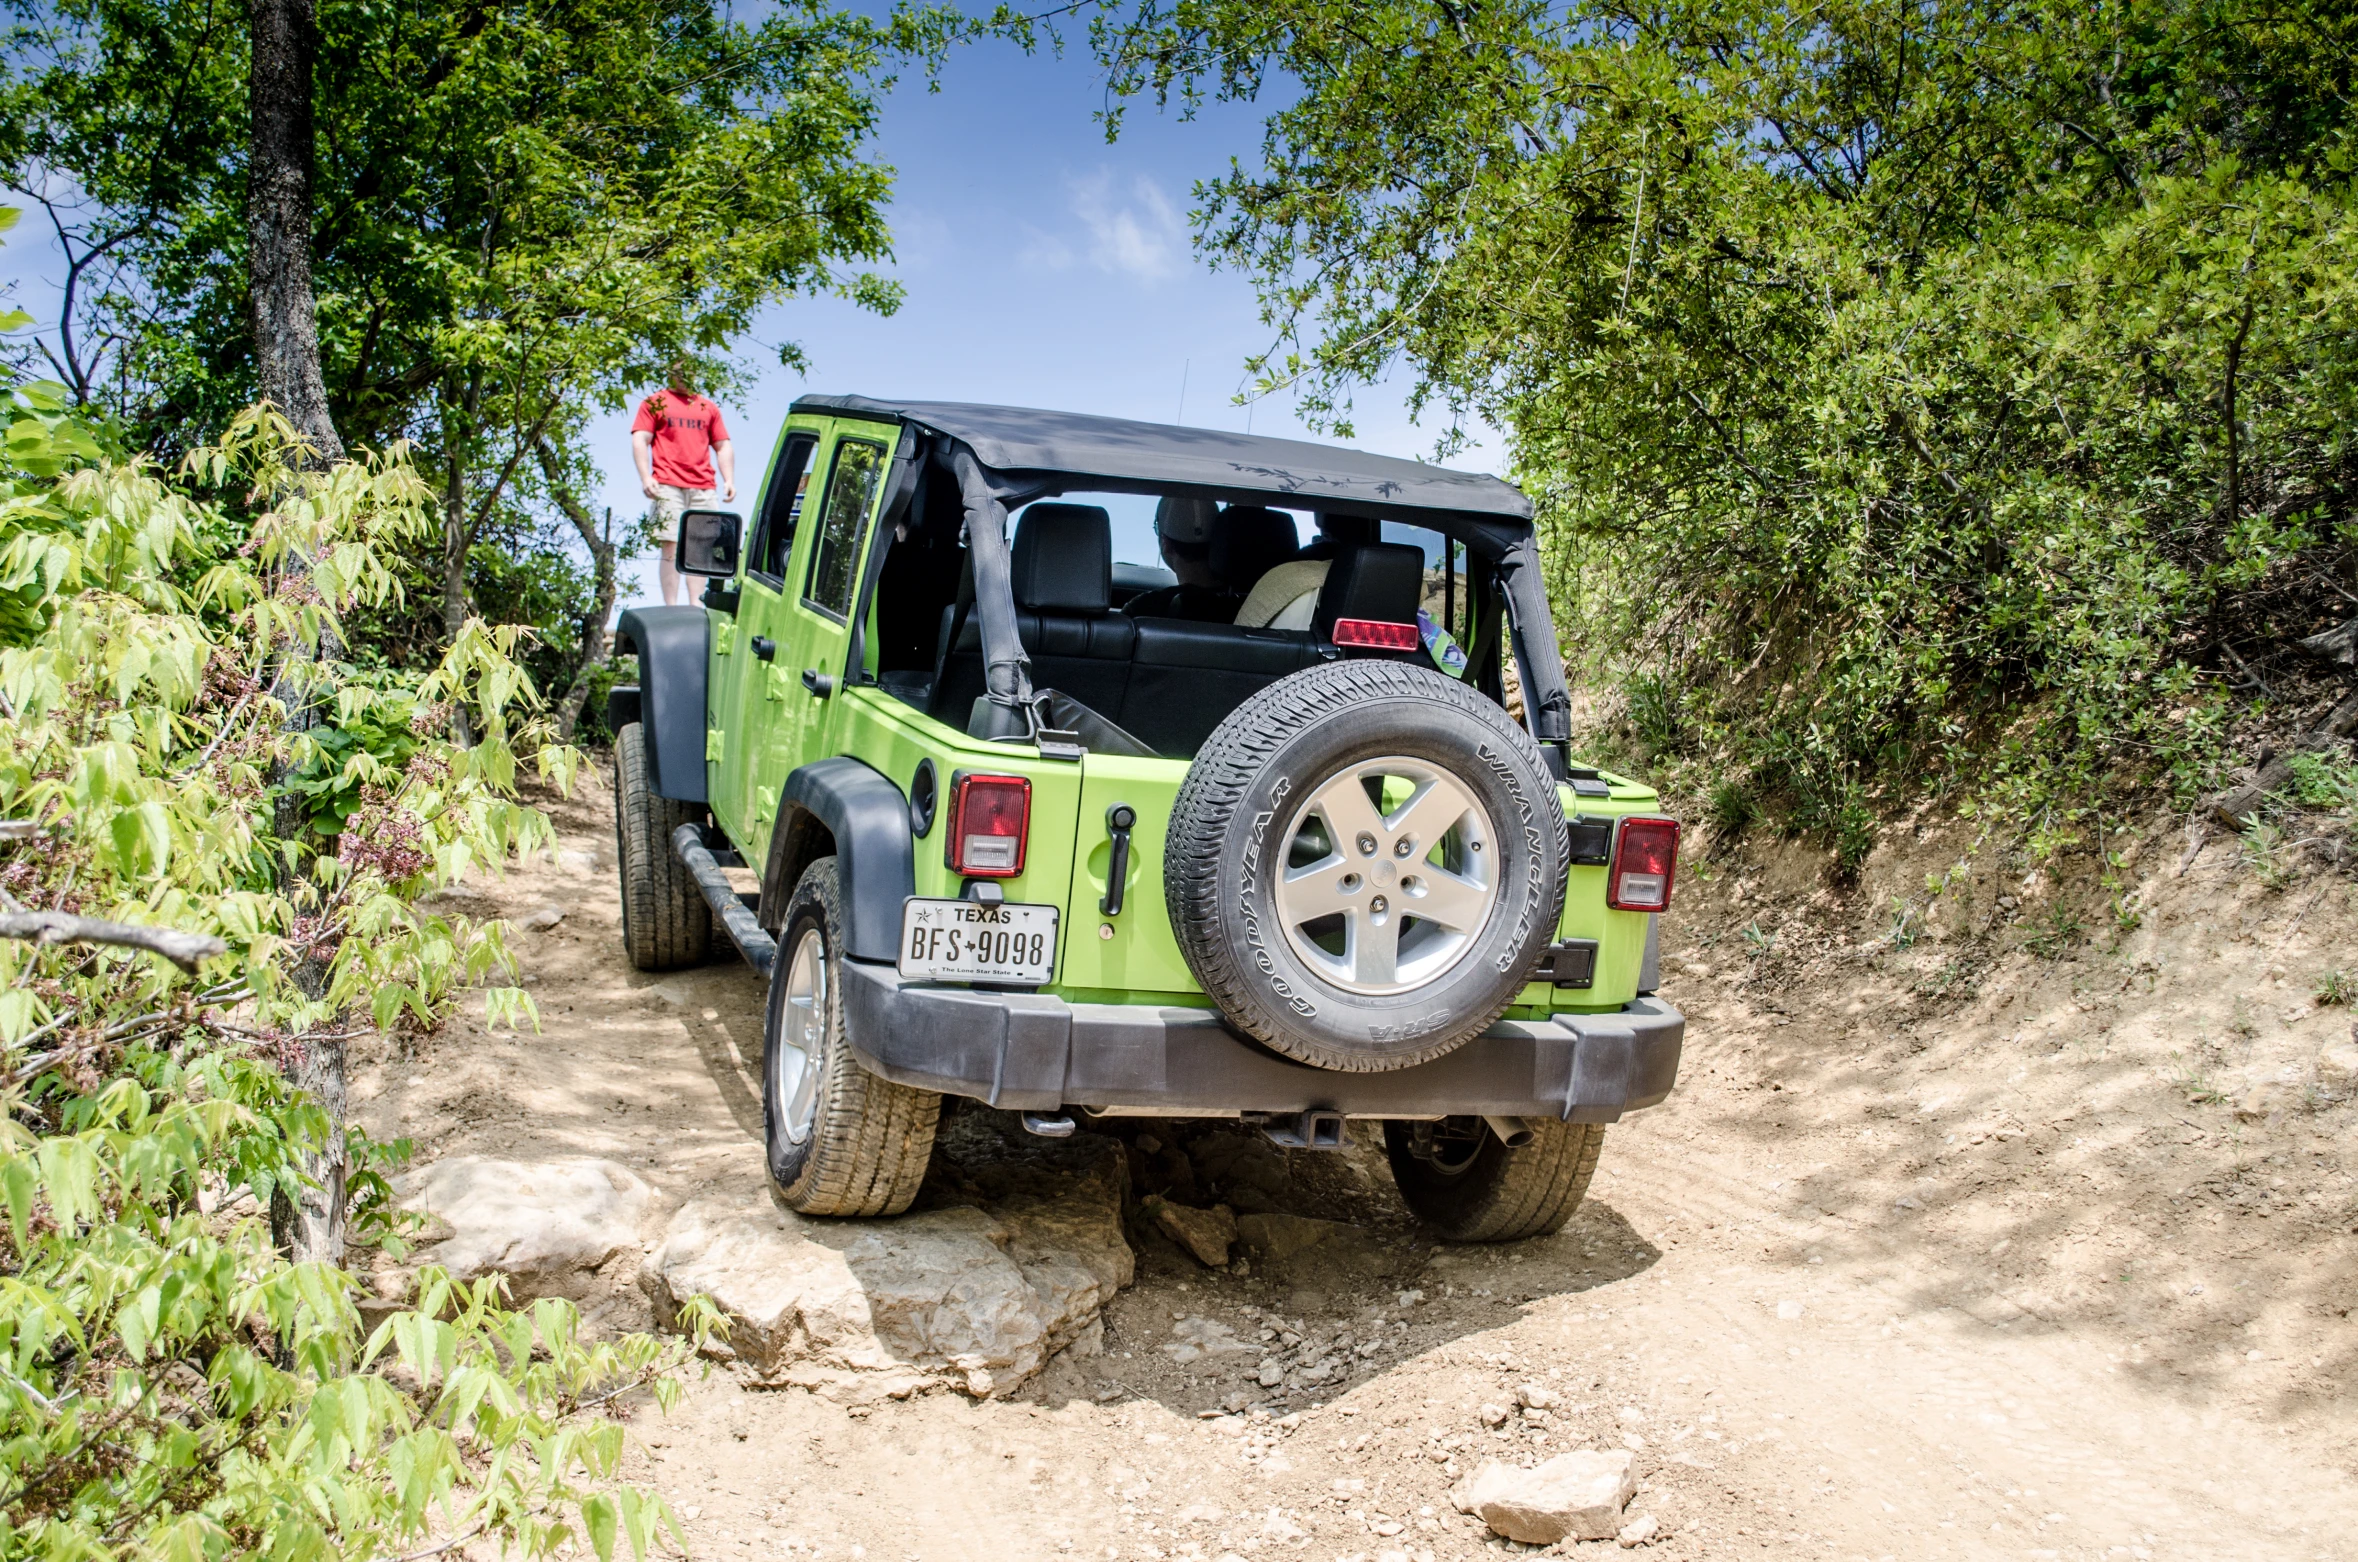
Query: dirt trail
x=2061 y=1269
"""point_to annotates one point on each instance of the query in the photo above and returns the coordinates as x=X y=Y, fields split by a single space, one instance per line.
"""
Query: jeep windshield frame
x=999 y=458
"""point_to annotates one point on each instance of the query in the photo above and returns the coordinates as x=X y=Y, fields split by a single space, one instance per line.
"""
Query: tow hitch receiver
x=1312 y=1130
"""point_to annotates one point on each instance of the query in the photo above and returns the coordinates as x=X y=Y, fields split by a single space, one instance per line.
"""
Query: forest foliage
x=1959 y=393
x=523 y=213
x=171 y=1385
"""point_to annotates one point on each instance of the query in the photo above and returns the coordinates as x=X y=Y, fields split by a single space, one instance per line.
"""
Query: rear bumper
x=1033 y=1052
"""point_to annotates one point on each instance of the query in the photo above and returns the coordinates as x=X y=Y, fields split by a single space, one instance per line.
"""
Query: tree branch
x=57 y=927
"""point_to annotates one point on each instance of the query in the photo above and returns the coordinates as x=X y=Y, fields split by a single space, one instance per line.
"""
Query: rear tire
x=1472 y=1188
x=1364 y=864
x=666 y=923
x=840 y=1140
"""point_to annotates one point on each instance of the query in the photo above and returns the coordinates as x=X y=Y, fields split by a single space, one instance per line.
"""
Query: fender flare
x=867 y=818
x=674 y=646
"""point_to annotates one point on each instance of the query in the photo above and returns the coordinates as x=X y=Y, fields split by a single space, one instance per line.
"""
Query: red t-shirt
x=685 y=429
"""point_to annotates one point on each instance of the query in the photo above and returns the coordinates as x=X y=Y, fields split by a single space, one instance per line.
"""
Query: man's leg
x=670 y=572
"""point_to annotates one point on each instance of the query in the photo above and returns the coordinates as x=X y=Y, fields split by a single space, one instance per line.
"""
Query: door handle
x=817 y=682
x=764 y=647
x=1118 y=820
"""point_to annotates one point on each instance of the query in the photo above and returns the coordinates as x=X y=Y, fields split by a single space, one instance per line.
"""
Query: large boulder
x=547 y=1225
x=1578 y=1495
x=977 y=1294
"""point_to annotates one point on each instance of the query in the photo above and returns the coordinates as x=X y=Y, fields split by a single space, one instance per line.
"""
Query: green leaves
x=170 y=1386
x=1906 y=392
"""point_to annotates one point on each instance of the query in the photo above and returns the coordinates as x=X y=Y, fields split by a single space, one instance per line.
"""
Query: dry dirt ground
x=1942 y=1249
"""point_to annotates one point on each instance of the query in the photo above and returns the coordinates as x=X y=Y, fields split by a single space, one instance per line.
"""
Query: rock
x=1579 y=1494
x=977 y=1298
x=544 y=1224
x=1639 y=1530
x=1536 y=1396
x=2338 y=1061
x=1198 y=1337
x=542 y=920
x=1206 y=1233
x=1492 y=1415
x=1281 y=1529
x=1250 y=1172
x=1280 y=1237
x=2267 y=1096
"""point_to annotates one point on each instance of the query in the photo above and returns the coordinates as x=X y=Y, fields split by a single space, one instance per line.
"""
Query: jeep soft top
x=1255 y=835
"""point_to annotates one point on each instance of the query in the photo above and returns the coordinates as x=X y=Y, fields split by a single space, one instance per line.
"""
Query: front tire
x=666 y=923
x=1459 y=1178
x=840 y=1140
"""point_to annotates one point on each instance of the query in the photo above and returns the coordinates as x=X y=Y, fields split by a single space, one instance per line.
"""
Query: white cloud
x=1137 y=233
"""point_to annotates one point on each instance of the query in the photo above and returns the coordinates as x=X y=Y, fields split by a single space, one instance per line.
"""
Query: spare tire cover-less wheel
x=1364 y=864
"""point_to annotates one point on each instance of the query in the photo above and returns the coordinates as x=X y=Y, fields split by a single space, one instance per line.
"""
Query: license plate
x=967 y=941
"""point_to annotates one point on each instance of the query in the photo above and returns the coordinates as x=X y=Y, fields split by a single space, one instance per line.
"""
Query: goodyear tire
x=1364 y=864
x=666 y=923
x=841 y=1141
x=1459 y=1178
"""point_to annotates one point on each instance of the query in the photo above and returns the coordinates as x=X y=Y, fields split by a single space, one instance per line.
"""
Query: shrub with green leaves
x=170 y=1385
x=1908 y=391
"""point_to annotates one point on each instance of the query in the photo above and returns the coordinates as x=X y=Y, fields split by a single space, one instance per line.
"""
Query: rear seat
x=1168 y=681
x=1064 y=615
x=1186 y=677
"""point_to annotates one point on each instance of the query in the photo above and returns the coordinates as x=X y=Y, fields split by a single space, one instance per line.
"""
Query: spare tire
x=1364 y=864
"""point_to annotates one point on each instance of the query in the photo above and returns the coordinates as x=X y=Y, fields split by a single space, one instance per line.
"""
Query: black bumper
x=1032 y=1052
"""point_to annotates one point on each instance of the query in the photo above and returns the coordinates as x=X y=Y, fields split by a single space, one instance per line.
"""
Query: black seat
x=1062 y=568
x=1382 y=581
x=1248 y=542
x=1185 y=677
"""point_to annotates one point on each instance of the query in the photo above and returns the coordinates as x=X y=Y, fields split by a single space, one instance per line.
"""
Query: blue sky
x=1043 y=267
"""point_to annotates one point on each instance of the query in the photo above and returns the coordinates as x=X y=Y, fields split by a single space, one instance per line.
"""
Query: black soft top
x=1003 y=456
x=1030 y=440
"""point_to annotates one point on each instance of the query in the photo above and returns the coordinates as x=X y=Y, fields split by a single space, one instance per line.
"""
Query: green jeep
x=1143 y=806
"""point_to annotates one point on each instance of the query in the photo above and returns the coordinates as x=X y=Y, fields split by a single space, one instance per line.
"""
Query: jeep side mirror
x=709 y=542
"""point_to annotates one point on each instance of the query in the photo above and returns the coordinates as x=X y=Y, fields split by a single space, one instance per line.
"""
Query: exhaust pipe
x=1513 y=1132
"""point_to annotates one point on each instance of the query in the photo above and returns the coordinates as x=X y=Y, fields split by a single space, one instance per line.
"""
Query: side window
x=781 y=507
x=851 y=493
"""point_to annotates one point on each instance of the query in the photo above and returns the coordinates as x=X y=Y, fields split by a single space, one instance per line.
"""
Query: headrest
x=1064 y=559
x=1250 y=542
x=1384 y=581
x=1187 y=522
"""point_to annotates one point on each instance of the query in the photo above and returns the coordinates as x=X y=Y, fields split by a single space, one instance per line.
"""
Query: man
x=675 y=439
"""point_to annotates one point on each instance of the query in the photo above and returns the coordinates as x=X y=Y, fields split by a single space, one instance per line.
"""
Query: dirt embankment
x=1943 y=1248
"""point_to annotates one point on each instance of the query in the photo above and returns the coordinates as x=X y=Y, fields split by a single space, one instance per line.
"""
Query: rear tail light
x=1645 y=860
x=1376 y=633
x=990 y=817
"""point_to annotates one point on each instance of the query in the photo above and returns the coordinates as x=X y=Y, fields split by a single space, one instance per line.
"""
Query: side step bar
x=736 y=918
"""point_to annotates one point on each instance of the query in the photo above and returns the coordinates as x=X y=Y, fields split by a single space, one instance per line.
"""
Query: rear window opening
x=1161 y=613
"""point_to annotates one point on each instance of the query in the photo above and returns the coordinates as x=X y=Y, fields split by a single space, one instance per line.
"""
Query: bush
x=170 y=1384
x=1911 y=395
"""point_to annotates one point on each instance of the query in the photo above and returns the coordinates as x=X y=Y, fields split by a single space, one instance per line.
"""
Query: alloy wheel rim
x=1390 y=874
x=802 y=1018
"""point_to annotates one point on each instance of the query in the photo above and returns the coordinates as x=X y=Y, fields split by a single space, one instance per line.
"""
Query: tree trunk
x=457 y=539
x=309 y=1224
x=594 y=624
x=278 y=221
x=284 y=37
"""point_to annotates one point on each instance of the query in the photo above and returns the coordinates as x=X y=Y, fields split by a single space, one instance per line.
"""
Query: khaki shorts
x=669 y=502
